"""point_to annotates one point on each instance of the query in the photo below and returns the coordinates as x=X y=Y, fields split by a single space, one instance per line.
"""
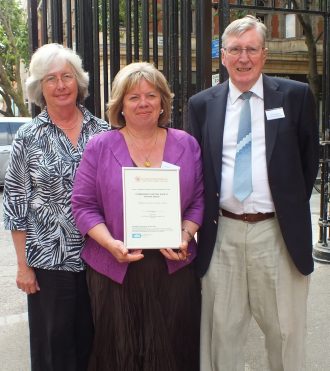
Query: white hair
x=43 y=60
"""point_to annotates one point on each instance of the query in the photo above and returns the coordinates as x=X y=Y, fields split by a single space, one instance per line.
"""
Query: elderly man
x=259 y=141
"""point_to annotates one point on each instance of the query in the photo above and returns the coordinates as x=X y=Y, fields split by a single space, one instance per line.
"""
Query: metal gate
x=108 y=34
x=179 y=37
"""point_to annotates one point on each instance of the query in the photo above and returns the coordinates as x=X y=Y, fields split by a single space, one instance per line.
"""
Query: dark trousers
x=60 y=321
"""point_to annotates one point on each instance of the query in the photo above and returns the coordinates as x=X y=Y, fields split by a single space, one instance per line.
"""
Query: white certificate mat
x=152 y=211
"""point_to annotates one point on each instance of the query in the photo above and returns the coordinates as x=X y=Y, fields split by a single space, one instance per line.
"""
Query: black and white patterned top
x=38 y=187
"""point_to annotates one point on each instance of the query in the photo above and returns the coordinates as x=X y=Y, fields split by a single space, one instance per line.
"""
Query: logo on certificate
x=136 y=235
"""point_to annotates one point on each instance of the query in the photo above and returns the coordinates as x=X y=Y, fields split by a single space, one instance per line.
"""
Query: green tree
x=13 y=52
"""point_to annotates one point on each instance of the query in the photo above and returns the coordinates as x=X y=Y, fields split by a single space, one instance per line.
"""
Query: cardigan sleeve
x=85 y=207
x=195 y=208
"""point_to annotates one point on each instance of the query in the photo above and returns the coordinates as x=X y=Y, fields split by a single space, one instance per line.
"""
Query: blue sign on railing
x=215 y=48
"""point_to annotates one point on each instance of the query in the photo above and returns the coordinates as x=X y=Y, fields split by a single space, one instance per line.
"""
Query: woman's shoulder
x=179 y=133
x=109 y=138
x=102 y=125
x=98 y=124
x=30 y=128
x=181 y=136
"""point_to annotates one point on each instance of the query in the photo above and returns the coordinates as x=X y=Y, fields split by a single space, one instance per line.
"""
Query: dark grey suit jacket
x=292 y=162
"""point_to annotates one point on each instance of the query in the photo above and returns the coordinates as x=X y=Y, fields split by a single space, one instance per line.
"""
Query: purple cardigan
x=98 y=197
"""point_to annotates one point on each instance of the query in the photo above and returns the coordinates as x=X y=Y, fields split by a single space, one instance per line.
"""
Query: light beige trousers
x=252 y=274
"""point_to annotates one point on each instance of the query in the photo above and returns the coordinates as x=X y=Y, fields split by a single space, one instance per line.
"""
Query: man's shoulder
x=209 y=92
x=285 y=83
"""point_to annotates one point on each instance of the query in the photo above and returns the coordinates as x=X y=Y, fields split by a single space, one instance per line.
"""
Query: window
x=290 y=25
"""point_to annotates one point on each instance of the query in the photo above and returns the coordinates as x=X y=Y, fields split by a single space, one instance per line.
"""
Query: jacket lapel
x=273 y=98
x=120 y=150
x=216 y=112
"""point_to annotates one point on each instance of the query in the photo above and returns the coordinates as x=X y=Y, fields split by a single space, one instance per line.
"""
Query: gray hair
x=128 y=77
x=41 y=63
x=239 y=26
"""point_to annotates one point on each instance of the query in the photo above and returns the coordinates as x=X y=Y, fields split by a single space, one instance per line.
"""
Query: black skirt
x=149 y=323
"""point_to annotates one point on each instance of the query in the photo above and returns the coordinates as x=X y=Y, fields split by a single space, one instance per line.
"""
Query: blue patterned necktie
x=242 y=170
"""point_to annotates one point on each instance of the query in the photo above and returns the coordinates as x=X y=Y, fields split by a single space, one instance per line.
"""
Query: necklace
x=146 y=162
x=76 y=123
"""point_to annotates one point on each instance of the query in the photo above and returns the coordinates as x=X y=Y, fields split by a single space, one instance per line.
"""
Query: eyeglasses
x=52 y=80
x=239 y=51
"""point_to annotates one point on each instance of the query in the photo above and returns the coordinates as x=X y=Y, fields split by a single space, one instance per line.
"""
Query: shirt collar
x=257 y=89
x=44 y=118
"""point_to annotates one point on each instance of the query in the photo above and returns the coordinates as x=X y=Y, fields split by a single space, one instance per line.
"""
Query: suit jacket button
x=218 y=195
x=215 y=221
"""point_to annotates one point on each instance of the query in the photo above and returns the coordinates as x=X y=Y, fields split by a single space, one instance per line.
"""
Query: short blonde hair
x=41 y=63
x=128 y=77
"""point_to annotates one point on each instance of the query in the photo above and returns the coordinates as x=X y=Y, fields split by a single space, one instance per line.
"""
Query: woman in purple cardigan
x=146 y=313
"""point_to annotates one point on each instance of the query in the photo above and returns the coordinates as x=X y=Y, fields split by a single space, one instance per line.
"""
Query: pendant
x=147 y=163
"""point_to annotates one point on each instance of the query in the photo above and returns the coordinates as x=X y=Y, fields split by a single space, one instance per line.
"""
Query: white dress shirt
x=260 y=200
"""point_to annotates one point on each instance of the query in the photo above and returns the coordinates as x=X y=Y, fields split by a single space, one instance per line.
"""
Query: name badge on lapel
x=275 y=113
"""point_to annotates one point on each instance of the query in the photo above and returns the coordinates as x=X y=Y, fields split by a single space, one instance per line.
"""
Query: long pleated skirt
x=149 y=323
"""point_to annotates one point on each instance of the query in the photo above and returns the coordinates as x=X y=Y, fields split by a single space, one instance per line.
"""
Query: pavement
x=14 y=340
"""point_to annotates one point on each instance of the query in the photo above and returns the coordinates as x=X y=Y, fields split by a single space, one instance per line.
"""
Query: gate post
x=321 y=250
x=85 y=46
x=32 y=10
x=224 y=20
x=203 y=44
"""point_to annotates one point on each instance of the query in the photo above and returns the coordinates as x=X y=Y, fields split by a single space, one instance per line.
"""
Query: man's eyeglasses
x=52 y=80
x=239 y=51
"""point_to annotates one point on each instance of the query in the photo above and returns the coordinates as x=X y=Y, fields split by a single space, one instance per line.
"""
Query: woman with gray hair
x=37 y=209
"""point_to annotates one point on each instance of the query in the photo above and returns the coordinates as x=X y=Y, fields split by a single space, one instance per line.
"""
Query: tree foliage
x=13 y=51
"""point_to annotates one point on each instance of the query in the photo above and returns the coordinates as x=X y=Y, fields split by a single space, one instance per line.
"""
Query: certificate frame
x=151 y=207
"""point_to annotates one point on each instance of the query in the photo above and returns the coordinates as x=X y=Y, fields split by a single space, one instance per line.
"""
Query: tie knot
x=246 y=95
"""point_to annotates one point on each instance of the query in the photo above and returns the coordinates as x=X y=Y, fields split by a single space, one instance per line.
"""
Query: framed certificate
x=152 y=211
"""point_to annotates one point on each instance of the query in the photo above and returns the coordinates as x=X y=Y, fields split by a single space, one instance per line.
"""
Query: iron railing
x=176 y=36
